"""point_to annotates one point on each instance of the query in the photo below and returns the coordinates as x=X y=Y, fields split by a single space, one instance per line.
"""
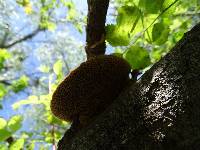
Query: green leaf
x=178 y=35
x=3 y=147
x=151 y=6
x=48 y=139
x=17 y=145
x=137 y=57
x=46 y=24
x=71 y=14
x=4 y=54
x=127 y=21
x=4 y=134
x=160 y=33
x=3 y=90
x=57 y=68
x=20 y=84
x=198 y=2
x=3 y=123
x=117 y=36
x=118 y=54
x=156 y=54
x=15 y=123
x=51 y=26
x=51 y=119
x=23 y=2
x=44 y=68
x=31 y=145
x=171 y=9
x=78 y=27
x=31 y=100
x=128 y=17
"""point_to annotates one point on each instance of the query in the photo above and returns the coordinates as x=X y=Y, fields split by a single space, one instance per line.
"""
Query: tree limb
x=95 y=30
x=160 y=111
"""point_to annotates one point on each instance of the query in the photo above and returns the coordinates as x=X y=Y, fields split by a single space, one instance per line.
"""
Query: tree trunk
x=95 y=29
x=160 y=111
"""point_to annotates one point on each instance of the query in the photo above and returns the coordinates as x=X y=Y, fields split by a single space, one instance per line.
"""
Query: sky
x=31 y=63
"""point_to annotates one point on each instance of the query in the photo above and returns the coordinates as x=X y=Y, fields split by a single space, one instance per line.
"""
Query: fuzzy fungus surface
x=90 y=89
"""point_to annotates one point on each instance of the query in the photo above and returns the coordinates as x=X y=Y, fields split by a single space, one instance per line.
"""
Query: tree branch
x=26 y=37
x=160 y=111
x=95 y=30
x=5 y=82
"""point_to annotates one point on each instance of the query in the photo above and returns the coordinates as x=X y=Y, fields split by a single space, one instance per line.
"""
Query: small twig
x=26 y=37
x=53 y=137
x=6 y=82
x=152 y=23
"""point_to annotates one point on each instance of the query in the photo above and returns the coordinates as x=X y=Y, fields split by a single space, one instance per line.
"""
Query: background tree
x=32 y=64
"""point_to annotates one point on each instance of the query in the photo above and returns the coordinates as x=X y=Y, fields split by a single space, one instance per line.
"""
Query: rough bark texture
x=161 y=111
x=95 y=30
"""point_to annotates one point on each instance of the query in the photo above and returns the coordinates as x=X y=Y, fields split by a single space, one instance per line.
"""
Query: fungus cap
x=91 y=88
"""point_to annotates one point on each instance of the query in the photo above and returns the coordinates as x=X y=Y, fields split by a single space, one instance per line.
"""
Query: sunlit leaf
x=4 y=54
x=128 y=17
x=118 y=54
x=51 y=26
x=3 y=123
x=28 y=9
x=3 y=90
x=156 y=54
x=17 y=145
x=151 y=6
x=170 y=6
x=4 y=134
x=20 y=84
x=45 y=99
x=51 y=119
x=57 y=68
x=78 y=27
x=117 y=36
x=160 y=33
x=198 y=2
x=31 y=100
x=137 y=57
x=121 y=33
x=3 y=147
x=44 y=68
x=31 y=146
x=48 y=139
x=71 y=14
x=23 y=2
x=147 y=21
x=14 y=123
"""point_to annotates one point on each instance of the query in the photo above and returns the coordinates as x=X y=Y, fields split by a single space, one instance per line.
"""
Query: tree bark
x=95 y=30
x=160 y=111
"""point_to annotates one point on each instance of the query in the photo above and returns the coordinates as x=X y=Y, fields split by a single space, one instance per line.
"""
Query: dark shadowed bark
x=95 y=30
x=160 y=111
